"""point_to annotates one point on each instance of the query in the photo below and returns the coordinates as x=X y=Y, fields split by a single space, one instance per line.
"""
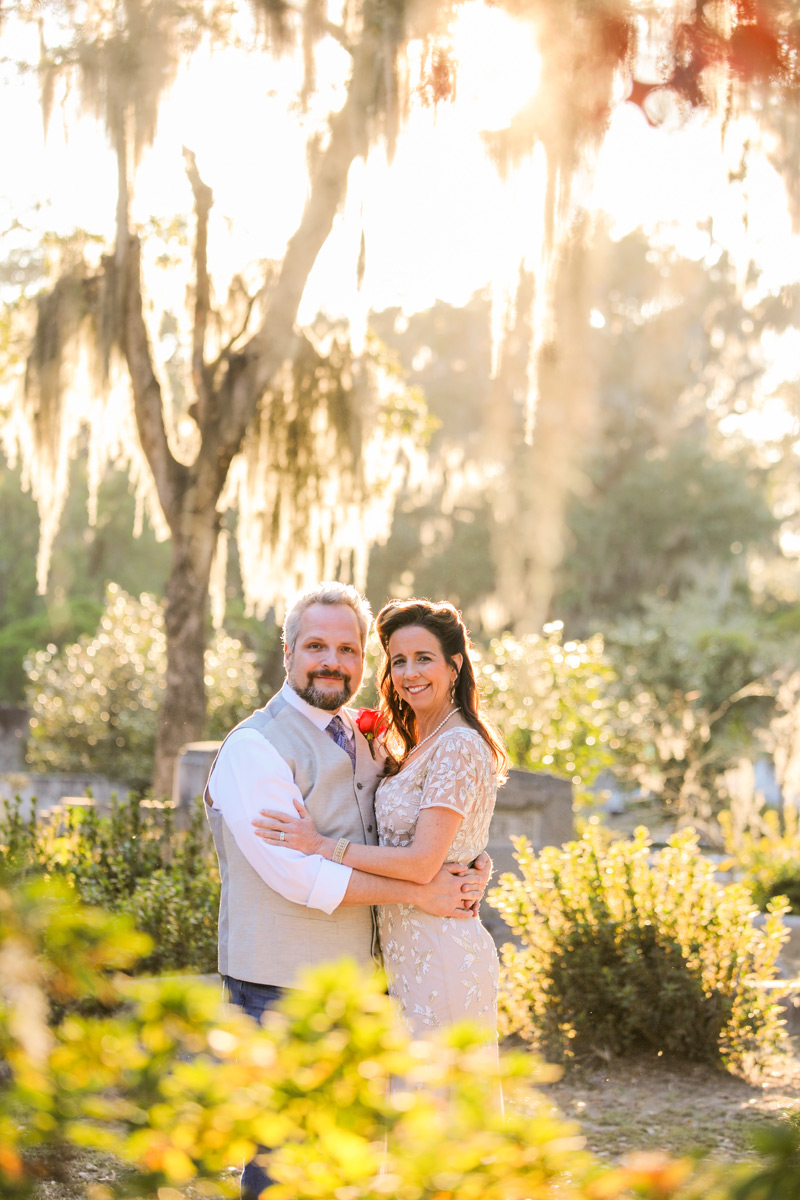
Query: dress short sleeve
x=456 y=769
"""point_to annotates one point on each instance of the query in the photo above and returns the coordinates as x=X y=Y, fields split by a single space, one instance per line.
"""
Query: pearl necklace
x=436 y=730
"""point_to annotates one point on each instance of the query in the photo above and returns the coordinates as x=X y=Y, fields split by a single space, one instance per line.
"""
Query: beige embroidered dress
x=440 y=969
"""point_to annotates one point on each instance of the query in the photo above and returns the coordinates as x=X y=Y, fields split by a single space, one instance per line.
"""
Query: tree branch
x=251 y=372
x=170 y=476
x=335 y=31
x=348 y=140
x=203 y=200
x=750 y=690
x=226 y=350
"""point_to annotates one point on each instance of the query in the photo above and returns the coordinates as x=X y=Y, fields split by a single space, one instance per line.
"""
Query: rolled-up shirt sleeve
x=249 y=775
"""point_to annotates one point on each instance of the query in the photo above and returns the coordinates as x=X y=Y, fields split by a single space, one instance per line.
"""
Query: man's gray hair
x=327 y=593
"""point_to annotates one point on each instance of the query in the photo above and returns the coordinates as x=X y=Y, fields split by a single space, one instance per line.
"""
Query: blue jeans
x=254 y=999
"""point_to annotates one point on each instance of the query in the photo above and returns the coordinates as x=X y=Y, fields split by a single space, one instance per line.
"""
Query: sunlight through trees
x=209 y=387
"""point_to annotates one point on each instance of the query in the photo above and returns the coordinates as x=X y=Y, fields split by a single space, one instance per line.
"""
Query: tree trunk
x=183 y=712
x=189 y=494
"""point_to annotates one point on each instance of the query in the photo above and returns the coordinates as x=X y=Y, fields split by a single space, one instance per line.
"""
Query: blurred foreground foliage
x=131 y=860
x=178 y=1089
x=624 y=950
x=95 y=704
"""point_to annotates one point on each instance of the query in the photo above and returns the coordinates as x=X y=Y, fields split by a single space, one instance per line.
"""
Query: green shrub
x=178 y=904
x=95 y=704
x=764 y=845
x=102 y=855
x=129 y=860
x=179 y=912
x=695 y=695
x=622 y=950
x=552 y=701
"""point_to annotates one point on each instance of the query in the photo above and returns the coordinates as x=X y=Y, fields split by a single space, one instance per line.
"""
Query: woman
x=444 y=763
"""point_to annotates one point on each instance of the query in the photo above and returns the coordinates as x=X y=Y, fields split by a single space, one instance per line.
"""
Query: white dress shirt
x=250 y=775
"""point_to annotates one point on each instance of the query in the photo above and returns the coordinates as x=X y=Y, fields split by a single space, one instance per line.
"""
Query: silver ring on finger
x=282 y=837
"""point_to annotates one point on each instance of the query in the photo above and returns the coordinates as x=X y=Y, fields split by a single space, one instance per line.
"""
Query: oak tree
x=269 y=421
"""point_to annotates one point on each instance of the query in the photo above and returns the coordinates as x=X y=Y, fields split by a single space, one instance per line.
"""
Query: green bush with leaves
x=625 y=950
x=696 y=692
x=95 y=704
x=70 y=619
x=552 y=701
x=179 y=909
x=133 y=860
x=174 y=1088
x=766 y=853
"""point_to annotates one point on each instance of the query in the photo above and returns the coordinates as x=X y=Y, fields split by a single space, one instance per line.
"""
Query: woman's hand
x=296 y=833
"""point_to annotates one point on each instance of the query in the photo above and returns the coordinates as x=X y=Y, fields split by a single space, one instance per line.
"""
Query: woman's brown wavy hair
x=444 y=622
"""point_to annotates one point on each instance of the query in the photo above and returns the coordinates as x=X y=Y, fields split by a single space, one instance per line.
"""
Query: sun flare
x=499 y=65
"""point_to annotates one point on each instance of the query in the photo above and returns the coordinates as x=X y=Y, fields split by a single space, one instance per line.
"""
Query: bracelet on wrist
x=341 y=846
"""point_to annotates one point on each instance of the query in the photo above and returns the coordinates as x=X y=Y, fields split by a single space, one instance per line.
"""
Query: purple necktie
x=337 y=731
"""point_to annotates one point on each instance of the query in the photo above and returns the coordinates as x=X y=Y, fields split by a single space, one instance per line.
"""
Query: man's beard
x=328 y=701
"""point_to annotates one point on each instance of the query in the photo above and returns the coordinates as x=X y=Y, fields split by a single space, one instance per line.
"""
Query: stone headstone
x=532 y=804
x=191 y=772
x=13 y=735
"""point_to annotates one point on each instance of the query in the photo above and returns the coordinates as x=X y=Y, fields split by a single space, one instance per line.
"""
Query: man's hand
x=457 y=890
x=449 y=894
x=475 y=880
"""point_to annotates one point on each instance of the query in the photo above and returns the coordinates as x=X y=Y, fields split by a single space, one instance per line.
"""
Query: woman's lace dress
x=440 y=969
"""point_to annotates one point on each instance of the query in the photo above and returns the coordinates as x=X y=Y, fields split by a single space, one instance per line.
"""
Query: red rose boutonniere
x=372 y=724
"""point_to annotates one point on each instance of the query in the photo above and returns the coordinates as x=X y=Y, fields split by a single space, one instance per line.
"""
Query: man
x=282 y=911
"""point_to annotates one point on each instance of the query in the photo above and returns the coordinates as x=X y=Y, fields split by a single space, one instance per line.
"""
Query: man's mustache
x=329 y=675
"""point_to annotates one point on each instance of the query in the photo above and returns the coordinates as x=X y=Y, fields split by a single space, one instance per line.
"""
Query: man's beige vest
x=264 y=938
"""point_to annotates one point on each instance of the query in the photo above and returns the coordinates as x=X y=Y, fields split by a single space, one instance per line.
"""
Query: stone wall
x=46 y=790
